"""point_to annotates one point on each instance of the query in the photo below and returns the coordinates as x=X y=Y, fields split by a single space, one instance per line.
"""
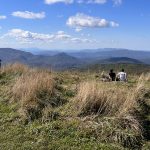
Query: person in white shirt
x=122 y=76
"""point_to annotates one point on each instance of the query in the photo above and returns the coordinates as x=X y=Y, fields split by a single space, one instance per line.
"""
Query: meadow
x=74 y=110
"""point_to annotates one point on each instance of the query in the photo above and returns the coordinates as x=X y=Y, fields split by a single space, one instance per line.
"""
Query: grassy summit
x=41 y=109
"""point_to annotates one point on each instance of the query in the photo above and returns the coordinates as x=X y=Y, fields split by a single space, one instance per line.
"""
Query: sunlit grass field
x=43 y=109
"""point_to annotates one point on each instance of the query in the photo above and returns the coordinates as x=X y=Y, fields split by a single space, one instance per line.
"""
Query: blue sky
x=75 y=24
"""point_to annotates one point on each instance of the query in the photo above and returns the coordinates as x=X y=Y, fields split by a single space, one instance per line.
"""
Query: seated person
x=122 y=76
x=112 y=75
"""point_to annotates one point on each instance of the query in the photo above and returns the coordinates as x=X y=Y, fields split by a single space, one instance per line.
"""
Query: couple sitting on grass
x=121 y=76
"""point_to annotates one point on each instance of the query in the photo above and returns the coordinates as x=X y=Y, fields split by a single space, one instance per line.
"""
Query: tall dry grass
x=108 y=99
x=134 y=97
x=36 y=91
x=33 y=90
x=29 y=85
x=99 y=99
x=14 y=68
x=8 y=75
x=113 y=107
x=147 y=77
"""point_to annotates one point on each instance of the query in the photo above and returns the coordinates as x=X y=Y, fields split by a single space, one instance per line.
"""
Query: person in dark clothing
x=112 y=75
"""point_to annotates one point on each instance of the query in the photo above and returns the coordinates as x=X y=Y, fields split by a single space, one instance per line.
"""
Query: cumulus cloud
x=29 y=15
x=27 y=36
x=58 y=1
x=117 y=2
x=80 y=21
x=3 y=17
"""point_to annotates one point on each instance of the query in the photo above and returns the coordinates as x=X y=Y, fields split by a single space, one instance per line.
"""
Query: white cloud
x=79 y=40
x=3 y=17
x=77 y=1
x=93 y=1
x=78 y=29
x=80 y=21
x=58 y=1
x=29 y=15
x=114 y=24
x=117 y=2
x=61 y=35
x=28 y=37
x=97 y=1
x=22 y=35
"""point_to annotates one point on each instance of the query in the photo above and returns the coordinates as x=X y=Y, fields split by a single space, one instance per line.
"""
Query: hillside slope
x=58 y=61
x=9 y=55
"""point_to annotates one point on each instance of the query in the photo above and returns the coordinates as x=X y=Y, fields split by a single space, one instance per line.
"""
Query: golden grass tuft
x=147 y=77
x=14 y=68
x=99 y=99
x=30 y=84
x=133 y=98
x=36 y=90
x=112 y=110
x=108 y=99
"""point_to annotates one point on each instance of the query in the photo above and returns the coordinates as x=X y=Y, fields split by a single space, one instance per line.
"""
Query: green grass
x=62 y=132
x=59 y=134
x=130 y=68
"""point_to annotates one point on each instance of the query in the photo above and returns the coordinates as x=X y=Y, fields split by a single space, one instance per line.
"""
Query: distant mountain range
x=89 y=55
x=93 y=53
x=114 y=60
x=73 y=59
x=58 y=61
x=107 y=53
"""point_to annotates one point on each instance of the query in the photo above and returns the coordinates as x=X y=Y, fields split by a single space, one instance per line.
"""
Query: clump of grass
x=147 y=77
x=9 y=72
x=125 y=131
x=108 y=99
x=133 y=98
x=117 y=102
x=14 y=69
x=35 y=90
x=98 y=99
